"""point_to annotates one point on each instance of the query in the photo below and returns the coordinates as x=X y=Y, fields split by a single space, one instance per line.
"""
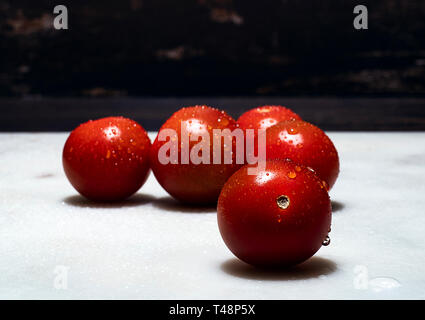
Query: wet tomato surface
x=265 y=117
x=189 y=181
x=107 y=159
x=305 y=144
x=279 y=217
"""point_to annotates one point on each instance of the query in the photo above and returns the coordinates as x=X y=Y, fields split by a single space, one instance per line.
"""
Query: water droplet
x=383 y=283
x=283 y=202
x=292 y=131
x=291 y=174
x=325 y=185
x=327 y=241
x=108 y=154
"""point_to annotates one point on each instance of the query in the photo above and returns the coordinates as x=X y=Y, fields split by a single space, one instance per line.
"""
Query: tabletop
x=55 y=244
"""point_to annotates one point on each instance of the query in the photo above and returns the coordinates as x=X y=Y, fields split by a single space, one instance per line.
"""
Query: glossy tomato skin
x=265 y=116
x=265 y=232
x=107 y=159
x=194 y=183
x=305 y=144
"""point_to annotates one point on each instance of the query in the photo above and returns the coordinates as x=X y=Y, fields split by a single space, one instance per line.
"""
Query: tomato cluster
x=274 y=213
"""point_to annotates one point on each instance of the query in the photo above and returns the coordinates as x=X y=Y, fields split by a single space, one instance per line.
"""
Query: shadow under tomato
x=312 y=268
x=337 y=206
x=170 y=204
x=138 y=199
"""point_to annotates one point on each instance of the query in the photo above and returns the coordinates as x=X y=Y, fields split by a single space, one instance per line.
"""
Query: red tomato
x=107 y=159
x=279 y=217
x=265 y=117
x=190 y=182
x=305 y=144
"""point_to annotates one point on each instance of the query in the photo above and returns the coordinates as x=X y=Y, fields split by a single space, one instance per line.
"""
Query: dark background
x=144 y=59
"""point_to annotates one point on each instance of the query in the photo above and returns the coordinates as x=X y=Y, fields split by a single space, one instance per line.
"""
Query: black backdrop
x=144 y=49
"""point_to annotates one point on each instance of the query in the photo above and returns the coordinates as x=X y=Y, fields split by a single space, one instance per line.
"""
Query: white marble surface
x=54 y=244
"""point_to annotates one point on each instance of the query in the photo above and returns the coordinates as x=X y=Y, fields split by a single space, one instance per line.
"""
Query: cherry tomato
x=305 y=144
x=191 y=182
x=265 y=117
x=107 y=159
x=279 y=217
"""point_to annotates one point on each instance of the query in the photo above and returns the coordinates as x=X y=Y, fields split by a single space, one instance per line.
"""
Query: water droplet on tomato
x=283 y=202
x=293 y=131
x=327 y=241
x=291 y=174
